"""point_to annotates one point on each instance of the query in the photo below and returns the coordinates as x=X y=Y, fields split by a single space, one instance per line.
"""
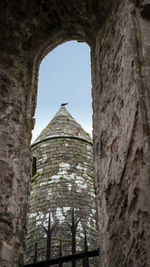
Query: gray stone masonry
x=64 y=181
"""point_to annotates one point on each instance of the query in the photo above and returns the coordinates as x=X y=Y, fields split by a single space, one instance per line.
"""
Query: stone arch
x=80 y=30
x=19 y=76
x=120 y=49
x=44 y=50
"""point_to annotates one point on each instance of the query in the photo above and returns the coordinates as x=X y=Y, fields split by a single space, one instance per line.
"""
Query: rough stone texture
x=120 y=145
x=14 y=172
x=64 y=180
x=118 y=34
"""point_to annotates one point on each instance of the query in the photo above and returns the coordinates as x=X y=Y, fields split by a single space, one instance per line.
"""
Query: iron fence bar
x=60 y=264
x=48 y=252
x=77 y=256
x=85 y=259
x=85 y=262
x=60 y=253
x=73 y=230
x=35 y=253
x=49 y=232
x=73 y=227
x=60 y=249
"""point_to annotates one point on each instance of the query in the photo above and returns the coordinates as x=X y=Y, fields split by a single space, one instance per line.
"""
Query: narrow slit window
x=34 y=168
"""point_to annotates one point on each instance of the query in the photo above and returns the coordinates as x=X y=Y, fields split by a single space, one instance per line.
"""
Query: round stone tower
x=62 y=189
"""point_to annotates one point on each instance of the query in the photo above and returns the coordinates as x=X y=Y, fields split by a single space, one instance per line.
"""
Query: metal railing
x=84 y=255
x=70 y=258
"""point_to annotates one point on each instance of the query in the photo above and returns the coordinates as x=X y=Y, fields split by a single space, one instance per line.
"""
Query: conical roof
x=63 y=124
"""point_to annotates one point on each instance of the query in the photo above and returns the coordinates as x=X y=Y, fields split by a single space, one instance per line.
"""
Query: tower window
x=34 y=168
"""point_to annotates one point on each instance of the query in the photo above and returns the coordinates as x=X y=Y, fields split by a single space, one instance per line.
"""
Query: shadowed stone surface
x=118 y=34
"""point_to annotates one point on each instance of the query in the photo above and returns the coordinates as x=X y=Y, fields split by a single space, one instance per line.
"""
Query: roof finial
x=64 y=104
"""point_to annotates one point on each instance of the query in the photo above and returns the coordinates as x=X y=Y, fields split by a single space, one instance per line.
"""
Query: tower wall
x=64 y=180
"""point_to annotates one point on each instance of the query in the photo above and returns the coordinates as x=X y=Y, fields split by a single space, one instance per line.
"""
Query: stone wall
x=64 y=180
x=118 y=34
x=14 y=171
x=120 y=139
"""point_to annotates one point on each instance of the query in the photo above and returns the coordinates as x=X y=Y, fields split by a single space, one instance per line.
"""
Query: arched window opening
x=65 y=76
x=62 y=191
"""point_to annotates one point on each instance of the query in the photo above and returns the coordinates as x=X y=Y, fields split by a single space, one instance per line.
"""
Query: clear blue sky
x=65 y=76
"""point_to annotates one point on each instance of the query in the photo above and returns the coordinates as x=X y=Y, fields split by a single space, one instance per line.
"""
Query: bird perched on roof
x=64 y=104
